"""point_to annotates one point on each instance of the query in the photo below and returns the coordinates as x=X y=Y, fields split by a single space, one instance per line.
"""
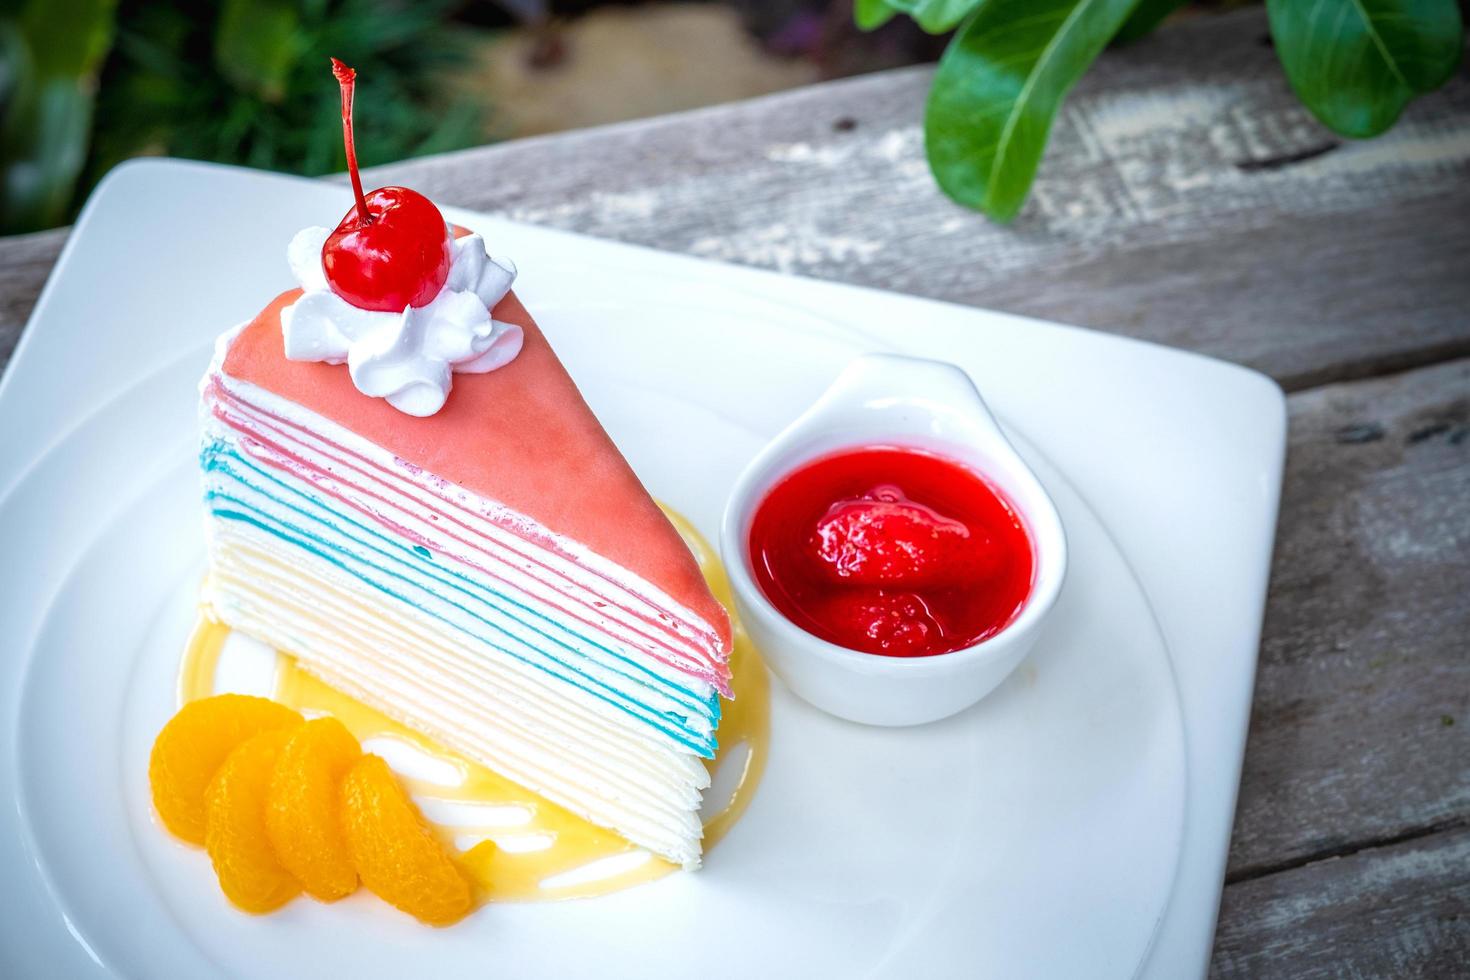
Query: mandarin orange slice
x=303 y=811
x=249 y=872
x=396 y=853
x=192 y=747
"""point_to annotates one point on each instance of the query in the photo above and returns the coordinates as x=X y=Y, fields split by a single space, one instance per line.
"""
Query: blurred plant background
x=85 y=84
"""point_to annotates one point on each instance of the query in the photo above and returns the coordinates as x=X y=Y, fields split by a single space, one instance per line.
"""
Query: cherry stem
x=347 y=80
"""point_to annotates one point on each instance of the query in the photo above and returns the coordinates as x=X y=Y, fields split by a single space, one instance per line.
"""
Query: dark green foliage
x=245 y=81
x=1147 y=15
x=249 y=82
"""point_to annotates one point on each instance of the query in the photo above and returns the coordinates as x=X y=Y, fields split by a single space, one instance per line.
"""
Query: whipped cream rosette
x=408 y=358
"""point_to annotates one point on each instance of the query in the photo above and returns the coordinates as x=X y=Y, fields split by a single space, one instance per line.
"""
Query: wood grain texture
x=1361 y=722
x=1186 y=198
x=1400 y=912
x=25 y=262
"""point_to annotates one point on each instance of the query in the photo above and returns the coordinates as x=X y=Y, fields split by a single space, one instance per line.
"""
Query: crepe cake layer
x=493 y=576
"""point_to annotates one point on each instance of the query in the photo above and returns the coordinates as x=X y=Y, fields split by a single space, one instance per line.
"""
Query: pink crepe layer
x=521 y=436
x=369 y=488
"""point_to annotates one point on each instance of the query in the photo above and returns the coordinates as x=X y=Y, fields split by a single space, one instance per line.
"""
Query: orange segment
x=398 y=856
x=303 y=811
x=249 y=873
x=192 y=747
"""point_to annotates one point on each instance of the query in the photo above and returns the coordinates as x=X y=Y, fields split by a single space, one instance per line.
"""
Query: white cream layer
x=450 y=597
x=491 y=556
x=627 y=599
x=577 y=752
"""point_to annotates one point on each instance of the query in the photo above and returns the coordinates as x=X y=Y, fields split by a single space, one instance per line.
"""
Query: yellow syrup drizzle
x=519 y=859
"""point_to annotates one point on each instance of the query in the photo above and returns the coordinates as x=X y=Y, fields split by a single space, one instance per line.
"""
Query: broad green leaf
x=935 y=16
x=257 y=43
x=1357 y=63
x=1145 y=17
x=869 y=15
x=999 y=84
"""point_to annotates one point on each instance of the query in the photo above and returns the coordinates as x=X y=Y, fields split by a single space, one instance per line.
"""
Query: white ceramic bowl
x=887 y=399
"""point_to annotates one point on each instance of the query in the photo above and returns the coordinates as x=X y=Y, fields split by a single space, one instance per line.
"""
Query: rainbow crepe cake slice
x=423 y=510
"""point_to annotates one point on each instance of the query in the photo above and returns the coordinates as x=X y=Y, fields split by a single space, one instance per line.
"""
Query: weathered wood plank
x=1169 y=206
x=1401 y=911
x=1179 y=202
x=1361 y=723
x=25 y=262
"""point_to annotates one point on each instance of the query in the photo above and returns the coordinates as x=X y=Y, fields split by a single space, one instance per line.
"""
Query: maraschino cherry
x=392 y=250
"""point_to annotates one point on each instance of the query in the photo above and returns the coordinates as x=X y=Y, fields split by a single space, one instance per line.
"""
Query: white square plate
x=1074 y=823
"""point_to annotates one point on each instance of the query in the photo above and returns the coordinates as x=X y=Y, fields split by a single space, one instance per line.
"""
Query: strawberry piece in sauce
x=884 y=538
x=891 y=551
x=897 y=624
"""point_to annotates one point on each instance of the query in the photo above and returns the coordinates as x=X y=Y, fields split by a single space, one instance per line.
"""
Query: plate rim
x=1189 y=930
x=97 y=531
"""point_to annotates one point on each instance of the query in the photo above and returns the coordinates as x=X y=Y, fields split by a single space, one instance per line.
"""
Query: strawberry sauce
x=892 y=551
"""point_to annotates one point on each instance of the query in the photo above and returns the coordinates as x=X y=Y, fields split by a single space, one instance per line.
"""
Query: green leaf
x=999 y=84
x=1357 y=63
x=257 y=43
x=869 y=15
x=935 y=16
x=1145 y=17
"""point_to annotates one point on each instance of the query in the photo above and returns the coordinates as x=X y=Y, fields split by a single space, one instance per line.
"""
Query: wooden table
x=1187 y=199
